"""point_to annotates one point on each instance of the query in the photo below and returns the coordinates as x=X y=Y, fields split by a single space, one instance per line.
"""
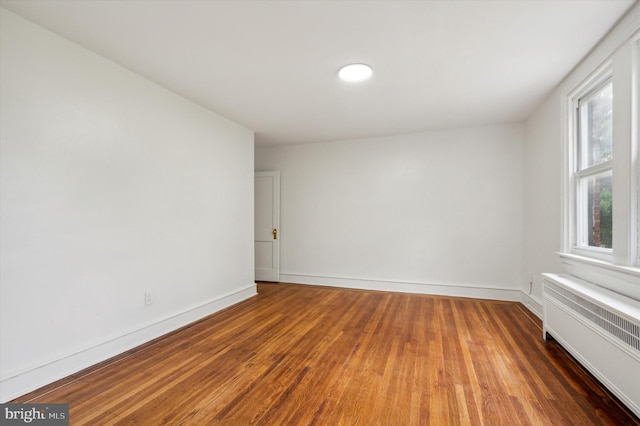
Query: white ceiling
x=272 y=65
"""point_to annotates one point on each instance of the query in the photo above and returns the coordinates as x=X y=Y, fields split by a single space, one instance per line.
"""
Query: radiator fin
x=617 y=326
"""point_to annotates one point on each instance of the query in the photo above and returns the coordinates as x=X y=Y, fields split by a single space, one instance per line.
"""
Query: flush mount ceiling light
x=355 y=73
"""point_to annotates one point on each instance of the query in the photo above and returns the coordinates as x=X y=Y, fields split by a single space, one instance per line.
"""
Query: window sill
x=592 y=253
x=624 y=280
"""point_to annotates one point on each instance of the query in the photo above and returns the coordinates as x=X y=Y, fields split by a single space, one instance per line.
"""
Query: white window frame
x=617 y=269
x=579 y=214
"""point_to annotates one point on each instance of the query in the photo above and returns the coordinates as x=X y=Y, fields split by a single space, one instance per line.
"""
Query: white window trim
x=617 y=269
x=625 y=148
x=587 y=88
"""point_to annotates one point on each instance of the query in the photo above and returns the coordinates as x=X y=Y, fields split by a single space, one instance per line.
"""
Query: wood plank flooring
x=303 y=355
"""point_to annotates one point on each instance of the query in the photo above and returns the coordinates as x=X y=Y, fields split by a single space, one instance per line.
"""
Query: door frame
x=275 y=175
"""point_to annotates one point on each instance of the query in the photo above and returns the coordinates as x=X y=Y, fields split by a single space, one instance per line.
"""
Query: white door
x=267 y=226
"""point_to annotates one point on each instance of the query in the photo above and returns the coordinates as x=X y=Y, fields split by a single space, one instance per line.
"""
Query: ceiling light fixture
x=355 y=73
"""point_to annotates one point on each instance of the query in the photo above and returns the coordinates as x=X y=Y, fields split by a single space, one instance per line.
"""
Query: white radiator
x=600 y=328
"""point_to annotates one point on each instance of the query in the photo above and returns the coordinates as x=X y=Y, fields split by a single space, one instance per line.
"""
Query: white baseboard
x=20 y=383
x=531 y=303
x=476 y=292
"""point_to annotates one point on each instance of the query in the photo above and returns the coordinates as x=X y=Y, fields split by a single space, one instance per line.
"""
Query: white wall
x=543 y=194
x=437 y=212
x=111 y=186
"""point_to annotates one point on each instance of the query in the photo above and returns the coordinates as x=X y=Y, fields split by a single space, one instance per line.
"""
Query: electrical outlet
x=148 y=298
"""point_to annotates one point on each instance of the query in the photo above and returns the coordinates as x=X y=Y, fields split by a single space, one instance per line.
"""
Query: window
x=601 y=221
x=594 y=168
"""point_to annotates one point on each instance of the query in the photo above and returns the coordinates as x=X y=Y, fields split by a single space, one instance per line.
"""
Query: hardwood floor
x=303 y=355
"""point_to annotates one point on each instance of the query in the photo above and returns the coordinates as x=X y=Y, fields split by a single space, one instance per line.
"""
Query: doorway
x=267 y=226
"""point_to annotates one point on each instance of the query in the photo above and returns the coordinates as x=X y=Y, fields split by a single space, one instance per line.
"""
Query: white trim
x=625 y=148
x=594 y=170
x=532 y=303
x=599 y=253
x=16 y=383
x=454 y=290
x=573 y=191
x=470 y=291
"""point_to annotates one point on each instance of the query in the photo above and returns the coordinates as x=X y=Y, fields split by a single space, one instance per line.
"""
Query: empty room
x=319 y=212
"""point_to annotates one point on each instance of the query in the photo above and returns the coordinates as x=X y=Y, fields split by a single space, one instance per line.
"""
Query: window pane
x=596 y=112
x=596 y=210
